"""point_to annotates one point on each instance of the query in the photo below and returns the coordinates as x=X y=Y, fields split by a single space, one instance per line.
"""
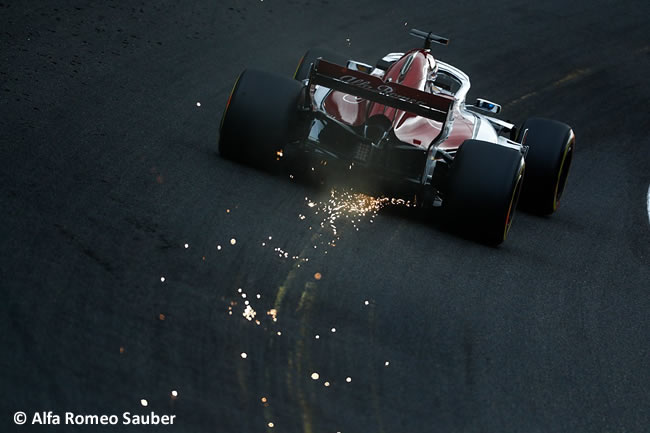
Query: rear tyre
x=484 y=184
x=551 y=147
x=302 y=70
x=260 y=118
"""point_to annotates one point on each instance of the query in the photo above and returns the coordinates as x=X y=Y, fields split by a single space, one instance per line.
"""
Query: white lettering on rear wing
x=336 y=77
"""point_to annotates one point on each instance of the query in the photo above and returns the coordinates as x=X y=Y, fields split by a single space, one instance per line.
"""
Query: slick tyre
x=260 y=118
x=551 y=145
x=484 y=184
x=302 y=70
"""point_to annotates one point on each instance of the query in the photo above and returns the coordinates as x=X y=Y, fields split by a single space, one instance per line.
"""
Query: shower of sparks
x=273 y=313
x=349 y=207
x=249 y=313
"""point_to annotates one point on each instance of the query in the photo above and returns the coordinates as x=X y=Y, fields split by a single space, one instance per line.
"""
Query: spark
x=387 y=363
x=333 y=329
x=273 y=313
x=366 y=302
x=161 y=316
x=258 y=296
x=218 y=247
x=317 y=336
x=233 y=241
x=121 y=349
x=326 y=384
x=243 y=295
x=144 y=402
x=279 y=333
x=315 y=376
x=187 y=246
x=317 y=276
x=239 y=290
x=271 y=425
x=174 y=393
x=198 y=104
x=263 y=399
x=249 y=313
x=162 y=279
x=244 y=355
x=348 y=379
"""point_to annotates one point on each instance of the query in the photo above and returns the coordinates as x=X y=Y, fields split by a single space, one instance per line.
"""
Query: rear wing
x=336 y=77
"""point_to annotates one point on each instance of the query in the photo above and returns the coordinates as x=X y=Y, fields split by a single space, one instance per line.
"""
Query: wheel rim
x=295 y=73
x=513 y=202
x=225 y=110
x=563 y=173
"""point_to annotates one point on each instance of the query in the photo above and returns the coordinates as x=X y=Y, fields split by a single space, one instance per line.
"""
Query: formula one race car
x=406 y=123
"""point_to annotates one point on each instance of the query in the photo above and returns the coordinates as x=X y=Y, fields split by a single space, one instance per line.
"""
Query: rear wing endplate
x=336 y=77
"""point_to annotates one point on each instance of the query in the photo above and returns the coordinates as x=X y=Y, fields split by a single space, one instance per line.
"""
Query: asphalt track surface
x=109 y=167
